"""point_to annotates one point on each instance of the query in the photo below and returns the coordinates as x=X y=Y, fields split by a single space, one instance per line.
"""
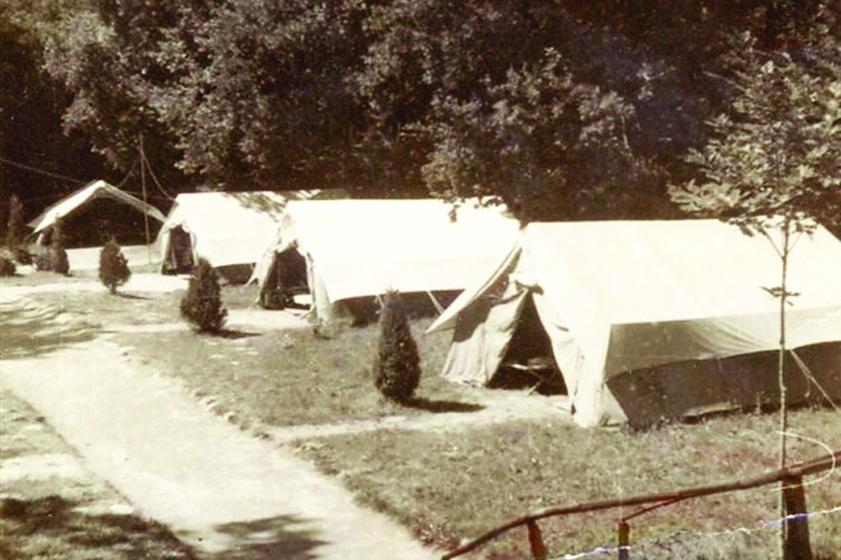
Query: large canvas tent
x=78 y=200
x=361 y=248
x=655 y=319
x=228 y=229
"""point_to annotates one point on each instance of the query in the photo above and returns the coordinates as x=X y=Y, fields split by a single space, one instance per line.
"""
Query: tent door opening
x=181 y=251
x=287 y=278
x=528 y=360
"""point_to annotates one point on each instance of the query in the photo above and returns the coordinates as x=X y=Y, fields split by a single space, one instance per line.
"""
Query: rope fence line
x=797 y=537
x=766 y=525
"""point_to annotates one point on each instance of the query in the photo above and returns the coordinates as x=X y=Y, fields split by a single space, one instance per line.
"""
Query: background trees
x=561 y=109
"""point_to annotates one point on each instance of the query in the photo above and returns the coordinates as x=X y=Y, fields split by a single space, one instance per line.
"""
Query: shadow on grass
x=73 y=534
x=234 y=335
x=131 y=296
x=268 y=539
x=24 y=345
x=442 y=406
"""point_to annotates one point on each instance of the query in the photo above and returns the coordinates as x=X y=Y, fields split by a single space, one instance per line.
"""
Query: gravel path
x=228 y=494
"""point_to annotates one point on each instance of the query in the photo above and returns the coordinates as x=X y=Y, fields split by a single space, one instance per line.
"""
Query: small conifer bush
x=113 y=267
x=58 y=255
x=202 y=304
x=397 y=369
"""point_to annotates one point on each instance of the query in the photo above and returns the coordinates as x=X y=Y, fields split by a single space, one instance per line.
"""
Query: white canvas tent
x=632 y=308
x=225 y=228
x=359 y=248
x=77 y=200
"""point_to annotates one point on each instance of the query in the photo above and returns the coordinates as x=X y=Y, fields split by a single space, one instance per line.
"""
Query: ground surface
x=53 y=506
x=452 y=465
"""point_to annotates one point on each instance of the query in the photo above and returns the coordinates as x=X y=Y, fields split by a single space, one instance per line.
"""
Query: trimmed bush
x=202 y=304
x=7 y=266
x=58 y=255
x=397 y=370
x=113 y=267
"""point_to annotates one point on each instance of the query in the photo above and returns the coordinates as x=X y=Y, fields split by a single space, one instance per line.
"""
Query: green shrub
x=202 y=304
x=397 y=369
x=58 y=256
x=7 y=266
x=113 y=267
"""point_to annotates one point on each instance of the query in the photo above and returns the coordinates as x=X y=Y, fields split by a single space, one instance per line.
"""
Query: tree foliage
x=776 y=152
x=202 y=304
x=559 y=109
x=32 y=104
x=113 y=266
x=397 y=370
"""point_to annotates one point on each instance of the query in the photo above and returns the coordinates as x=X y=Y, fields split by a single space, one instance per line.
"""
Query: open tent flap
x=484 y=328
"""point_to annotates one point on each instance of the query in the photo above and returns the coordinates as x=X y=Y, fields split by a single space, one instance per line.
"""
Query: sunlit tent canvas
x=228 y=229
x=652 y=319
x=361 y=248
x=77 y=202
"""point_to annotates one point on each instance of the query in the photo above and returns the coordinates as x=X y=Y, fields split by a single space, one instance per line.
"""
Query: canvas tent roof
x=227 y=228
x=615 y=297
x=362 y=248
x=93 y=190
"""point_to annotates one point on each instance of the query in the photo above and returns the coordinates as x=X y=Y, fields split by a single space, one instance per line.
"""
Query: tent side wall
x=484 y=325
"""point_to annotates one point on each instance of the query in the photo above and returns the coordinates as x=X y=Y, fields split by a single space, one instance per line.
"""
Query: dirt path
x=226 y=493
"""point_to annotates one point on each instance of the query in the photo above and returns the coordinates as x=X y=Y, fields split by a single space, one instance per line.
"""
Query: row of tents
x=644 y=319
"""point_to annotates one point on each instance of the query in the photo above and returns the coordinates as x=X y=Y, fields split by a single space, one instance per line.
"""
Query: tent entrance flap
x=528 y=360
x=483 y=332
x=179 y=259
x=286 y=279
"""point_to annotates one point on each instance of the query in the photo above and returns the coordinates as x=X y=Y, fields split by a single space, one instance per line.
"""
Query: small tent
x=363 y=248
x=80 y=199
x=653 y=319
x=228 y=229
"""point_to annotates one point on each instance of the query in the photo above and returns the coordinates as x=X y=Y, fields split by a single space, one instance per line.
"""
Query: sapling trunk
x=784 y=254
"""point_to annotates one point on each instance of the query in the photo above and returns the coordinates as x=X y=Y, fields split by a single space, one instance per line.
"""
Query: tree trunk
x=784 y=253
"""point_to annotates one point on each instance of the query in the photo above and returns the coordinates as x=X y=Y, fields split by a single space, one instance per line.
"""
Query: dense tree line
x=561 y=109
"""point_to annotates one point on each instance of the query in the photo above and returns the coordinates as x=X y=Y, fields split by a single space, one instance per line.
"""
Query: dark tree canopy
x=560 y=109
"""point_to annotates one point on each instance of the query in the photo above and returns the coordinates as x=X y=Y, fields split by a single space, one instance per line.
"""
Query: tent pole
x=437 y=305
x=145 y=203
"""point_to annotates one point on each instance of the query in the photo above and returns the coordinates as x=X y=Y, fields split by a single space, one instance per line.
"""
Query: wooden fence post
x=538 y=549
x=624 y=539
x=796 y=545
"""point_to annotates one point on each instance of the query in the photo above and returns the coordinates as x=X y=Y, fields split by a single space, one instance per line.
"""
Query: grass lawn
x=294 y=377
x=53 y=508
x=450 y=486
